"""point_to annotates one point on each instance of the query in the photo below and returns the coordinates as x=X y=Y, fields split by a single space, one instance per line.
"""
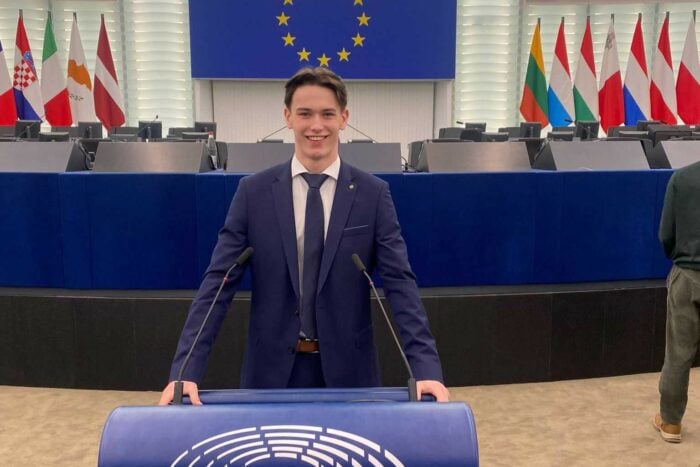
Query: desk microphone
x=27 y=130
x=147 y=128
x=412 y=389
x=177 y=389
x=271 y=134
x=363 y=134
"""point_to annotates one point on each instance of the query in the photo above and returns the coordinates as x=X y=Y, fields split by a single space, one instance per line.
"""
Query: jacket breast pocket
x=355 y=230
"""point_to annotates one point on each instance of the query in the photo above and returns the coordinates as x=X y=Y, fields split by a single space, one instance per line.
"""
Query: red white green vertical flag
x=533 y=105
x=53 y=82
x=585 y=86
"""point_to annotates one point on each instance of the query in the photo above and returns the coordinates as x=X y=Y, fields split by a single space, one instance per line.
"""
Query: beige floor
x=601 y=422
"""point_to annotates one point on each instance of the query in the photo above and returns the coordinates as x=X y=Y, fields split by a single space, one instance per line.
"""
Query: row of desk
x=86 y=230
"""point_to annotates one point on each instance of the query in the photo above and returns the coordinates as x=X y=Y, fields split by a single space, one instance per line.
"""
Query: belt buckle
x=305 y=342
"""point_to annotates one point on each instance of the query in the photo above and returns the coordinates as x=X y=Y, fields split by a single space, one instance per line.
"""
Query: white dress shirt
x=299 y=191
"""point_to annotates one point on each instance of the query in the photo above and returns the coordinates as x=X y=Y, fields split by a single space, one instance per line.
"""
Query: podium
x=320 y=427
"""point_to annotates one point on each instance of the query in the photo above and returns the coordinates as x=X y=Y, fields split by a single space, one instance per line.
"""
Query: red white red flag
x=108 y=97
x=662 y=93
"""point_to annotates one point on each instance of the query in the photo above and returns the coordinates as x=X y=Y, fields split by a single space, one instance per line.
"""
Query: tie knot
x=314 y=180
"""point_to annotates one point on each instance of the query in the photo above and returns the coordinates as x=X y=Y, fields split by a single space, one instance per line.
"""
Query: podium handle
x=177 y=393
x=412 y=390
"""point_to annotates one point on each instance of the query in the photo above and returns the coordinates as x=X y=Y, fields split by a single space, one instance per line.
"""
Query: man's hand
x=436 y=388
x=188 y=388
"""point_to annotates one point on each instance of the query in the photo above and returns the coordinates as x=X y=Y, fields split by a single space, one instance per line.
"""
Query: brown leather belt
x=307 y=346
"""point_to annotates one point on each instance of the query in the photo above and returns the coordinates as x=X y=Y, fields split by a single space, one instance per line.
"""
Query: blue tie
x=313 y=251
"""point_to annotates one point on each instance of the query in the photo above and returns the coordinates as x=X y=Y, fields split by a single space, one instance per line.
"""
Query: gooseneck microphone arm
x=363 y=134
x=273 y=133
x=147 y=129
x=178 y=387
x=27 y=130
x=412 y=389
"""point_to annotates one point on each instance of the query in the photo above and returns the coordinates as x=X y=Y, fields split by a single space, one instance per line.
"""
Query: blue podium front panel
x=306 y=433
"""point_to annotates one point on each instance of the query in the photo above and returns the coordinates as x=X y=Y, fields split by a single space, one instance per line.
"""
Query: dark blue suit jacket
x=363 y=221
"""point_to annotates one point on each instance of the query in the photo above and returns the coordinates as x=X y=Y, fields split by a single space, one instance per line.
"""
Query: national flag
x=560 y=98
x=8 y=111
x=636 y=90
x=25 y=81
x=108 y=97
x=612 y=110
x=662 y=92
x=82 y=105
x=687 y=87
x=53 y=86
x=533 y=105
x=585 y=86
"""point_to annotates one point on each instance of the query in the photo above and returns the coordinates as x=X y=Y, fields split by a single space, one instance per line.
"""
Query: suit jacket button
x=296 y=312
x=291 y=349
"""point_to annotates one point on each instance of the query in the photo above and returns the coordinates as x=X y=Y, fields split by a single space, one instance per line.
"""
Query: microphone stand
x=178 y=387
x=273 y=133
x=147 y=128
x=26 y=131
x=363 y=134
x=412 y=389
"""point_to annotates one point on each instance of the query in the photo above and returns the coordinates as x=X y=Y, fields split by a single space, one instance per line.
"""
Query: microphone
x=177 y=389
x=147 y=128
x=412 y=389
x=363 y=134
x=273 y=133
x=27 y=130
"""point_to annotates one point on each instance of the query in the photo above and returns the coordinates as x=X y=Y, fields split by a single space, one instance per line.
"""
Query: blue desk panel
x=157 y=231
x=31 y=252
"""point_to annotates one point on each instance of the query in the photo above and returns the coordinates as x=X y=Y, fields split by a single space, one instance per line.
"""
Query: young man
x=310 y=320
x=680 y=236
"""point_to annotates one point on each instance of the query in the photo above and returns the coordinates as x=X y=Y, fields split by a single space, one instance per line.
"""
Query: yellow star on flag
x=288 y=39
x=304 y=55
x=288 y=2
x=343 y=54
x=358 y=2
x=283 y=19
x=323 y=60
x=358 y=40
x=364 y=19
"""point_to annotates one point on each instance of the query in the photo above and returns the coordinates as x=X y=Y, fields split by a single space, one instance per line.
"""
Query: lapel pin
x=351 y=186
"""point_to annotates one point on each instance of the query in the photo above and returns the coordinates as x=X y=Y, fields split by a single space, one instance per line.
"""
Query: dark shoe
x=669 y=432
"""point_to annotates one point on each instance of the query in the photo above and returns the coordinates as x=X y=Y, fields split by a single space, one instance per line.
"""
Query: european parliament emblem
x=338 y=46
x=358 y=39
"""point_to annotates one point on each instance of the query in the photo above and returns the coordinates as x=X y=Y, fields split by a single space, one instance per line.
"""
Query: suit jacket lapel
x=284 y=207
x=342 y=202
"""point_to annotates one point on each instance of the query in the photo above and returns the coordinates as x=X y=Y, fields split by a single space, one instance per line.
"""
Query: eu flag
x=358 y=39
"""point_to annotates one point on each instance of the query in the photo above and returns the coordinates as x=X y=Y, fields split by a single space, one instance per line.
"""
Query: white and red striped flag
x=8 y=112
x=108 y=97
x=612 y=110
x=662 y=92
x=687 y=87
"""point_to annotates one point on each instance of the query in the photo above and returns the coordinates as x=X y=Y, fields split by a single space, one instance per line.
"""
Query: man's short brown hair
x=319 y=76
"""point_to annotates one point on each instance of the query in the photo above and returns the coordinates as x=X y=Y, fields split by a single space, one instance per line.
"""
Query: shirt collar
x=332 y=170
